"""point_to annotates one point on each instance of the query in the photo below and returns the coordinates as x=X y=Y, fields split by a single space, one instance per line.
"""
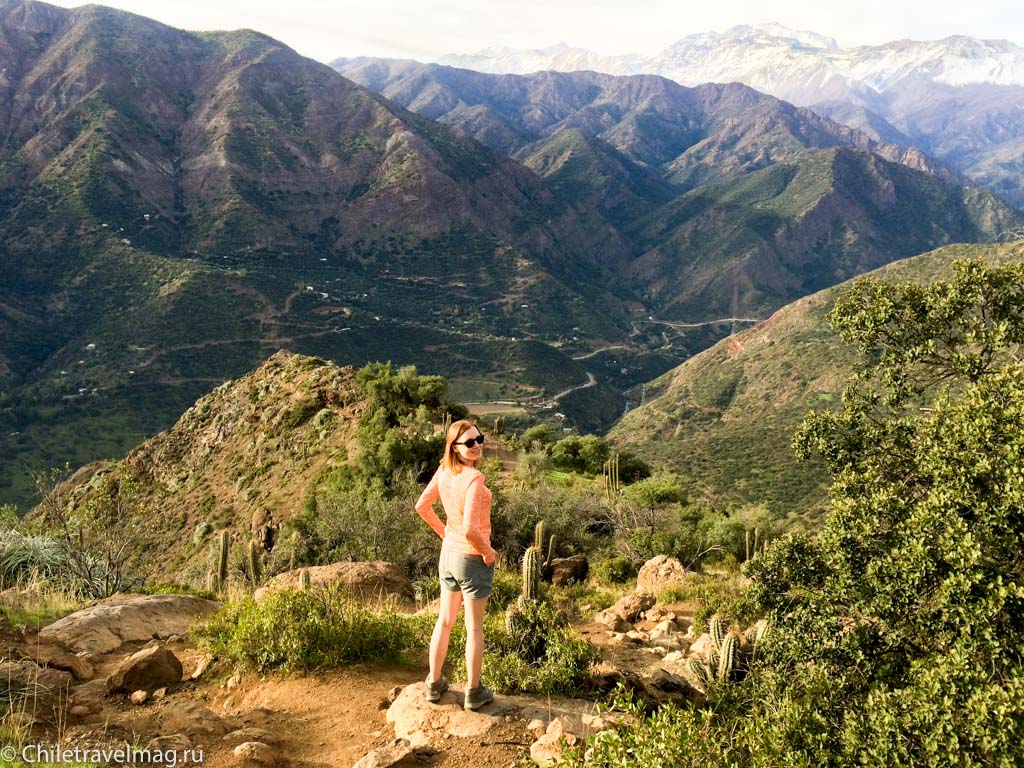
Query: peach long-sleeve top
x=467 y=509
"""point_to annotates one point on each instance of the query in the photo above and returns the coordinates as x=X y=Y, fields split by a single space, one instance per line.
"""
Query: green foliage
x=532 y=649
x=396 y=431
x=306 y=629
x=359 y=519
x=614 y=570
x=910 y=601
x=24 y=555
x=538 y=436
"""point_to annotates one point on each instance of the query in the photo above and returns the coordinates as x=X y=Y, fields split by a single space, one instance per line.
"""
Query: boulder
x=631 y=606
x=108 y=625
x=151 y=668
x=660 y=572
x=425 y=724
x=369 y=582
x=566 y=570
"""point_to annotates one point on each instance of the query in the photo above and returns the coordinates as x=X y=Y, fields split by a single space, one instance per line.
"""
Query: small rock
x=234 y=680
x=201 y=666
x=173 y=743
x=139 y=697
x=80 y=710
x=243 y=735
x=609 y=618
x=385 y=757
x=675 y=657
x=637 y=636
x=537 y=727
x=256 y=753
x=160 y=693
x=394 y=693
x=702 y=645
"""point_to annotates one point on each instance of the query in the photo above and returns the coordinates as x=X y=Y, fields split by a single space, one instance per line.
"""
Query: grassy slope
x=725 y=418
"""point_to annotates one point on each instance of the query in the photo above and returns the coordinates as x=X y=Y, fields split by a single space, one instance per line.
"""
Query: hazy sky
x=424 y=29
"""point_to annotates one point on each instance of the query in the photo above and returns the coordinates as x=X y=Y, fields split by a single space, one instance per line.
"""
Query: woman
x=466 y=566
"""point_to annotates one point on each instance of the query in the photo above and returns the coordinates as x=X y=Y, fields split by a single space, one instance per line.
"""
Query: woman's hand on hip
x=489 y=558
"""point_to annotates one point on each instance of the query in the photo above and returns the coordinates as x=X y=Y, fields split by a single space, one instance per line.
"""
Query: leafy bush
x=614 y=570
x=307 y=629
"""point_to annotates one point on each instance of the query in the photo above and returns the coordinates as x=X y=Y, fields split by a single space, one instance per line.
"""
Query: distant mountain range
x=959 y=99
x=176 y=206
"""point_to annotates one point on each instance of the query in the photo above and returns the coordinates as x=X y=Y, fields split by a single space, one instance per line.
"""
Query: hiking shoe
x=477 y=697
x=435 y=689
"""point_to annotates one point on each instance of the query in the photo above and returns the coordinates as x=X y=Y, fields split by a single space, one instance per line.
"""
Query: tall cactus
x=551 y=551
x=255 y=564
x=611 y=477
x=746 y=542
x=211 y=581
x=757 y=540
x=717 y=629
x=540 y=533
x=531 y=574
x=222 y=559
x=304 y=579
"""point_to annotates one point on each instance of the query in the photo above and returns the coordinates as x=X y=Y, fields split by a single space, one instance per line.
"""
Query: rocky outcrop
x=121 y=619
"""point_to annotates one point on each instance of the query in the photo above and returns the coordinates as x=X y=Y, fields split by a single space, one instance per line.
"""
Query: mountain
x=176 y=206
x=959 y=99
x=255 y=443
x=736 y=202
x=725 y=418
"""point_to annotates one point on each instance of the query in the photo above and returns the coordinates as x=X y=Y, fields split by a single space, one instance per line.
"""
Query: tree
x=910 y=603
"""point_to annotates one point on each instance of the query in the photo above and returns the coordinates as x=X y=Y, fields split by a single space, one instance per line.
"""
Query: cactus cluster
x=725 y=661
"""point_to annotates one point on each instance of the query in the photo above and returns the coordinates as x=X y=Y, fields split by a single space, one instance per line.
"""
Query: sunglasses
x=478 y=440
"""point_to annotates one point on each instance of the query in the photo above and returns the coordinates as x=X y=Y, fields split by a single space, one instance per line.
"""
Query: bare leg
x=475 y=610
x=446 y=617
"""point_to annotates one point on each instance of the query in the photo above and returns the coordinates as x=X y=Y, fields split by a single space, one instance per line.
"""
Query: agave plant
x=21 y=555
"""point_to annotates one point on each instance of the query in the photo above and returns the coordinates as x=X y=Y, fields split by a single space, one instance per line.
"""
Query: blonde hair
x=450 y=460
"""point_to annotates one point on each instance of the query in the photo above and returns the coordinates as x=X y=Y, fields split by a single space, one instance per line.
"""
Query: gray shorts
x=465 y=573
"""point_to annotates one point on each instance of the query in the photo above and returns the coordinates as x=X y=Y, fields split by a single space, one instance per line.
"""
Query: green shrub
x=308 y=629
x=542 y=655
x=614 y=570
